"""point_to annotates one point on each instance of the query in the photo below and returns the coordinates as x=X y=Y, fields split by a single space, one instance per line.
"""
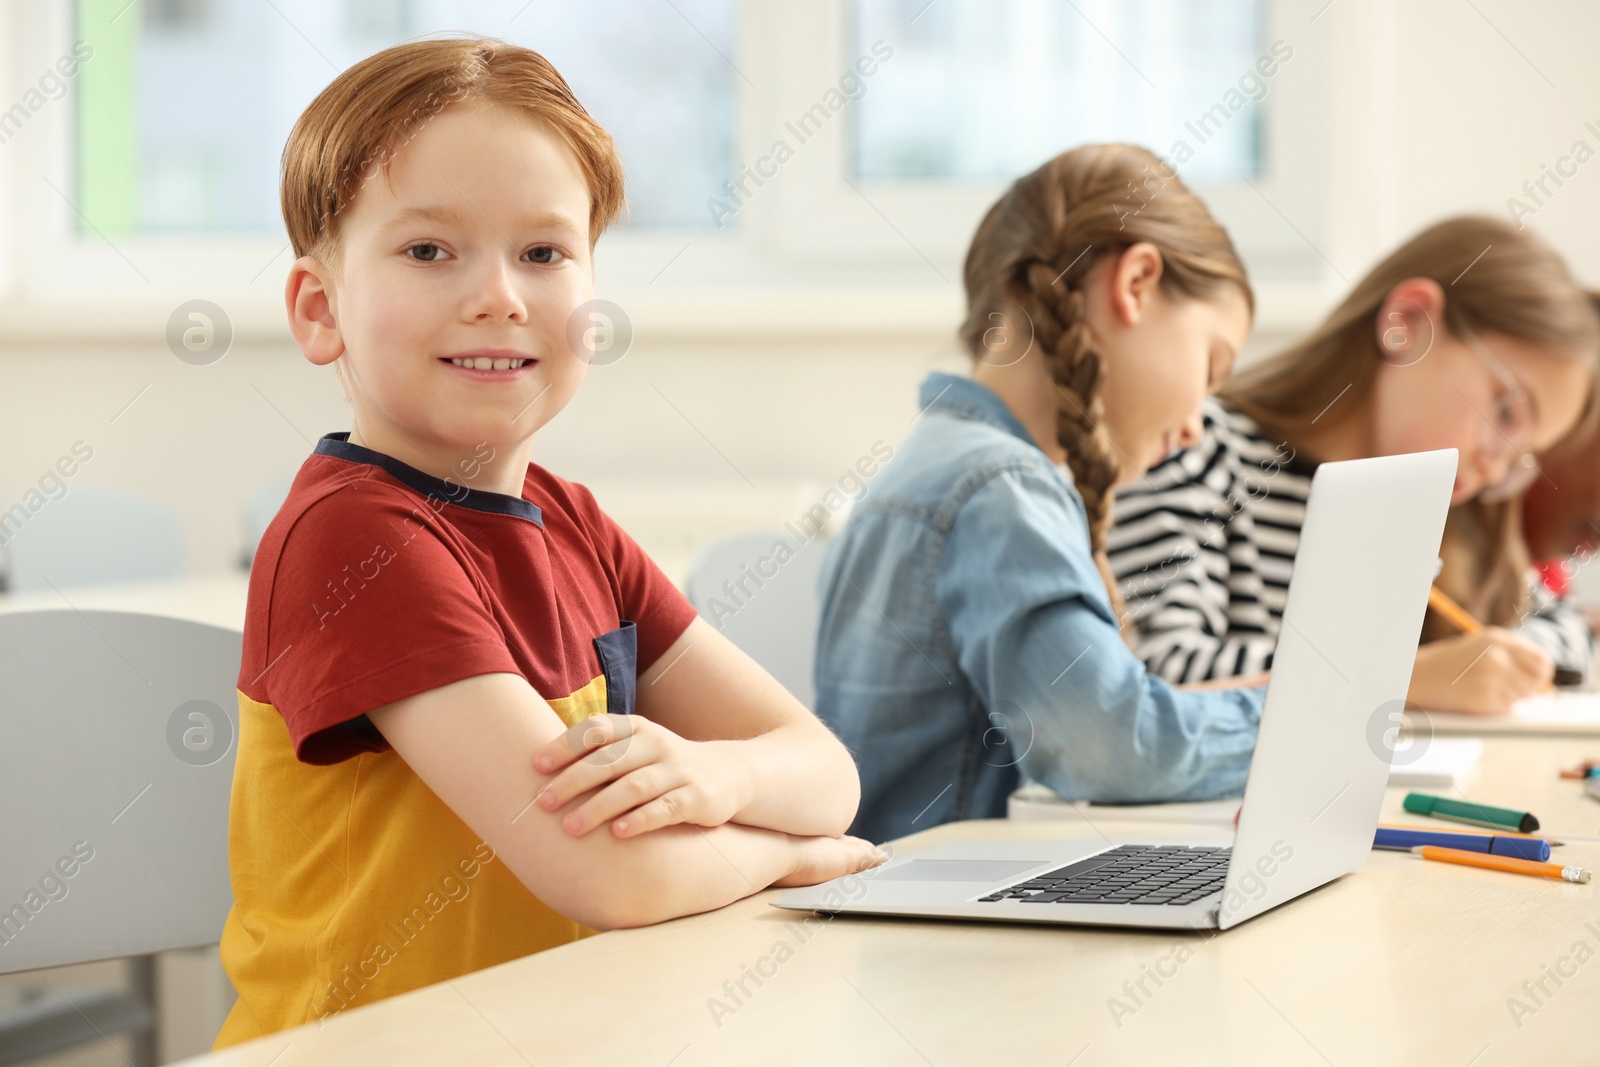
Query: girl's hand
x=819 y=859
x=1238 y=681
x=1482 y=673
x=656 y=777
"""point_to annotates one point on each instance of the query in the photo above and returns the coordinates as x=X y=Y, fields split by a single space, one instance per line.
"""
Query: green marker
x=1468 y=812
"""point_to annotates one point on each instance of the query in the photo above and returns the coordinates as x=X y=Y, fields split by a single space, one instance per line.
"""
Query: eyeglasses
x=1512 y=418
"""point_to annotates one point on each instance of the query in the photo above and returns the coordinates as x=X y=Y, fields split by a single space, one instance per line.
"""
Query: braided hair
x=1031 y=256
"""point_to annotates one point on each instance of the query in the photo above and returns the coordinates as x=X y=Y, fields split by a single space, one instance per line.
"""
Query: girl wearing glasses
x=1472 y=335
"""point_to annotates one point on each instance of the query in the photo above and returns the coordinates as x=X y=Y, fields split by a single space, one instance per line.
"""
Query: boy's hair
x=359 y=123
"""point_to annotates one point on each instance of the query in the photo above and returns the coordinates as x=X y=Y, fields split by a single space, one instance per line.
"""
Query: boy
x=475 y=720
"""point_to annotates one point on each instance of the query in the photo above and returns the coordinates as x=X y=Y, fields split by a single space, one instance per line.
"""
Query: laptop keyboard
x=1130 y=874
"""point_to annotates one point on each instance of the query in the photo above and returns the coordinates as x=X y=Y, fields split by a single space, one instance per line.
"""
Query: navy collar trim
x=338 y=446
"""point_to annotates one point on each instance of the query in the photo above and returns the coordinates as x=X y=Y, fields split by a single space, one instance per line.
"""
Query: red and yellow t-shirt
x=352 y=880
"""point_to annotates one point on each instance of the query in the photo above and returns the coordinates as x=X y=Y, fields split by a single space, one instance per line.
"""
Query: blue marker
x=1522 y=848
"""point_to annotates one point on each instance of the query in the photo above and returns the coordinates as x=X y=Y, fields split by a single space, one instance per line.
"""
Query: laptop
x=1340 y=672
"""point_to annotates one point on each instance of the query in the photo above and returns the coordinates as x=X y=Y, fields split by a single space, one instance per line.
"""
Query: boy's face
x=477 y=248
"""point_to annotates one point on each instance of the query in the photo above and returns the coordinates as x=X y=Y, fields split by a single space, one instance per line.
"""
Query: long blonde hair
x=1031 y=254
x=1497 y=279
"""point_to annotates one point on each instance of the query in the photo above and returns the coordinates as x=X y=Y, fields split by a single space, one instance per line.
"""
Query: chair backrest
x=92 y=536
x=117 y=741
x=259 y=510
x=760 y=589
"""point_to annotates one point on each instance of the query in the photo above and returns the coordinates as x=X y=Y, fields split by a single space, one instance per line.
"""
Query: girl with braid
x=1472 y=335
x=970 y=632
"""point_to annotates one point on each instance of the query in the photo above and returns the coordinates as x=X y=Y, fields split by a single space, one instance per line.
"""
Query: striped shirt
x=1204 y=544
x=1558 y=626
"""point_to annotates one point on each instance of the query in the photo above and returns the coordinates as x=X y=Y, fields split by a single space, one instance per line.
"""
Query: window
x=186 y=104
x=989 y=89
x=804 y=155
x=965 y=95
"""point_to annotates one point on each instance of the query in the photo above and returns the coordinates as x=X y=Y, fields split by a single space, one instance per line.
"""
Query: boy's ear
x=309 y=297
x=1135 y=278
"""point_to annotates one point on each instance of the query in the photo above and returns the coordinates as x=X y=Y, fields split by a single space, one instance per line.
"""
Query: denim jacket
x=967 y=640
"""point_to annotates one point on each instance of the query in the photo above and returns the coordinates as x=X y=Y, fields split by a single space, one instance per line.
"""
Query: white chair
x=115 y=770
x=766 y=607
x=259 y=510
x=92 y=536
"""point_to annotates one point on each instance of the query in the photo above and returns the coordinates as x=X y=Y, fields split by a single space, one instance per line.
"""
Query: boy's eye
x=544 y=255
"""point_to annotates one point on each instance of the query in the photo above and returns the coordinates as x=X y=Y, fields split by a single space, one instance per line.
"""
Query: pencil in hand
x=1453 y=613
x=1461 y=618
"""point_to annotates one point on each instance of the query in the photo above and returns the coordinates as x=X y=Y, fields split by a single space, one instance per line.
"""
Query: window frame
x=821 y=214
x=792 y=244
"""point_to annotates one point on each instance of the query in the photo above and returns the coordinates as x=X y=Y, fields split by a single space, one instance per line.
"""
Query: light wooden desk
x=1515 y=772
x=1523 y=773
x=1402 y=962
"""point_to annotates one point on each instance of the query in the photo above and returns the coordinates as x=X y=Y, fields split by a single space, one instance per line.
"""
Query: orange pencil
x=1454 y=613
x=1502 y=863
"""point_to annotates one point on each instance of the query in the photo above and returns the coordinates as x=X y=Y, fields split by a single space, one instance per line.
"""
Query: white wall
x=789 y=417
x=666 y=437
x=1443 y=107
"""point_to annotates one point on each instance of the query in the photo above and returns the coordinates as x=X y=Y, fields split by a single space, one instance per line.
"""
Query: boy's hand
x=819 y=859
x=657 y=778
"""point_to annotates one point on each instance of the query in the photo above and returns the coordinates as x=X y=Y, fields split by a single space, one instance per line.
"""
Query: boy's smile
x=492 y=364
x=458 y=278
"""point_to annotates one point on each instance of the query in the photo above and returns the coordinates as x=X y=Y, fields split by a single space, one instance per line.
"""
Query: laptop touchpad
x=956 y=870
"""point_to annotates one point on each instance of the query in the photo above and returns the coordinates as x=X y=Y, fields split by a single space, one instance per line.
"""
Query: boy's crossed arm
x=474 y=743
x=716 y=739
